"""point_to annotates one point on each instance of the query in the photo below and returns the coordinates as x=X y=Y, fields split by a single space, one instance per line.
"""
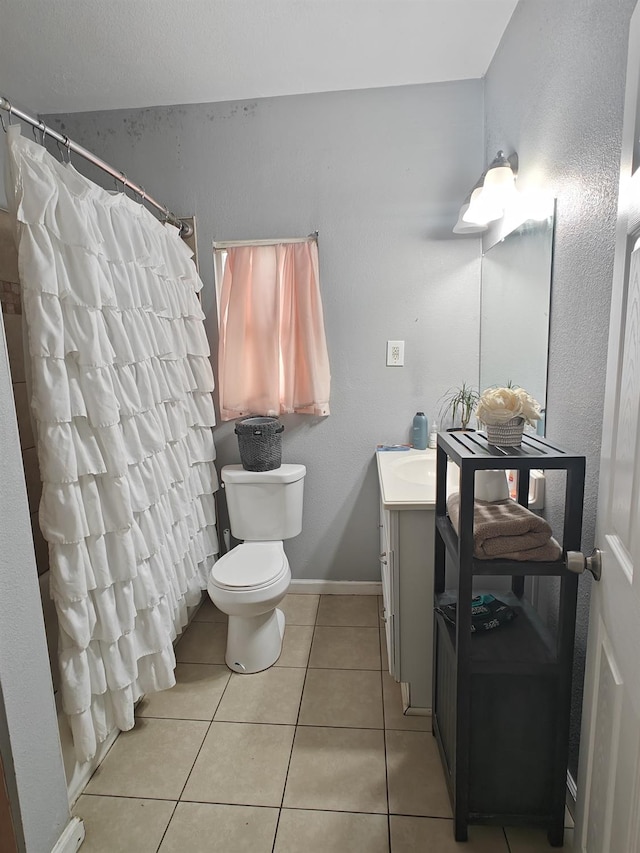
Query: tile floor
x=312 y=755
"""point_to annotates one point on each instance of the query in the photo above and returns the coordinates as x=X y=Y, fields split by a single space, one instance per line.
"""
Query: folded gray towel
x=507 y=530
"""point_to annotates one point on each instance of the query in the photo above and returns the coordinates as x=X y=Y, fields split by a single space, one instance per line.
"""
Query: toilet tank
x=264 y=505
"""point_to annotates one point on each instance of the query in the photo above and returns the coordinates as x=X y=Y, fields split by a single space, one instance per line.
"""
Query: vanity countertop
x=408 y=478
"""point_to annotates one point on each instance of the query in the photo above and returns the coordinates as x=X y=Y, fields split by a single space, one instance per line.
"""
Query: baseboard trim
x=78 y=775
x=71 y=838
x=303 y=586
x=408 y=709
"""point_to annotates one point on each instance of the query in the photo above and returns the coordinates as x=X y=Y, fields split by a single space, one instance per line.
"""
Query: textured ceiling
x=76 y=55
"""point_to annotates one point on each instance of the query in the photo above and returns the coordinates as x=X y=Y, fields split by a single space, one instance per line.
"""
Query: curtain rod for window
x=230 y=244
x=185 y=228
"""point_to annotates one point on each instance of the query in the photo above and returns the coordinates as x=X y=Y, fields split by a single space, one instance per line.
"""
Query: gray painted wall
x=28 y=726
x=554 y=93
x=380 y=173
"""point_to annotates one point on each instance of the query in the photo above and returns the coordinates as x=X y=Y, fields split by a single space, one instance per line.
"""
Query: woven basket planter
x=508 y=434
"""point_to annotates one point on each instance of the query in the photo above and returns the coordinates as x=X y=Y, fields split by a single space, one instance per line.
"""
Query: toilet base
x=254 y=643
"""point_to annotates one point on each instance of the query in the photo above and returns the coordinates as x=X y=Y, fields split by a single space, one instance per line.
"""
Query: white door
x=608 y=809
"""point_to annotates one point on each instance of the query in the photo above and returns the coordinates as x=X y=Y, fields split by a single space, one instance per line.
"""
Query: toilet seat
x=252 y=565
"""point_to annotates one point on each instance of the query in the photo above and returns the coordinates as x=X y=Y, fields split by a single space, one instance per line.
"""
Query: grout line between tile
x=279 y=808
x=506 y=840
x=204 y=739
x=127 y=797
x=296 y=725
x=180 y=719
x=384 y=740
x=430 y=817
x=295 y=730
x=325 y=726
x=230 y=805
x=325 y=811
x=166 y=829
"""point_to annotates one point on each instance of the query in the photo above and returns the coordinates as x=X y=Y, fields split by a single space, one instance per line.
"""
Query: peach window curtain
x=273 y=356
x=121 y=394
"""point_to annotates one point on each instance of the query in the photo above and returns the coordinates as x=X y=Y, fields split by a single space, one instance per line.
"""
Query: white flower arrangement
x=500 y=405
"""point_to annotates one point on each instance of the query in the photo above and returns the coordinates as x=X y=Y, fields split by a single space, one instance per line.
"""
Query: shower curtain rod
x=220 y=245
x=184 y=227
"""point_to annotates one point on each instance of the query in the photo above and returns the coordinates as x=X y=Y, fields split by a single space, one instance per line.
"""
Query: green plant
x=459 y=401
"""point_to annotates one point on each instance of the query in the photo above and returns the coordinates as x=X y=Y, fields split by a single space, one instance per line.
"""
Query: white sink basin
x=416 y=469
x=408 y=477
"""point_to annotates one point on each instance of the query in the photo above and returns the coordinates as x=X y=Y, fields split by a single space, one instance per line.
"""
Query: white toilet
x=249 y=581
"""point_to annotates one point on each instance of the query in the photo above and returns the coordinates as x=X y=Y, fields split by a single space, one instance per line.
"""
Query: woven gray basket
x=260 y=443
x=508 y=434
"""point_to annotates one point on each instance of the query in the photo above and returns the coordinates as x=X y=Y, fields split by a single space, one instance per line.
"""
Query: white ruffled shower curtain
x=121 y=395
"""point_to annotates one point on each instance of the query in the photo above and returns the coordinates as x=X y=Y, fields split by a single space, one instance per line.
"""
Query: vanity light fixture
x=464 y=227
x=483 y=208
x=499 y=181
x=490 y=197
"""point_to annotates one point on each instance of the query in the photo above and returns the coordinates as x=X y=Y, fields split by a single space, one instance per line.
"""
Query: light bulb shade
x=499 y=178
x=462 y=227
x=482 y=208
x=499 y=185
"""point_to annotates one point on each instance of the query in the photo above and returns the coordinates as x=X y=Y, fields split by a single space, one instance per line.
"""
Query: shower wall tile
x=32 y=477
x=50 y=627
x=40 y=545
x=8 y=252
x=13 y=333
x=23 y=414
x=10 y=297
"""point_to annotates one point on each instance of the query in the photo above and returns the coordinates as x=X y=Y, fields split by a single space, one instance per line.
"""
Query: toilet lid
x=250 y=565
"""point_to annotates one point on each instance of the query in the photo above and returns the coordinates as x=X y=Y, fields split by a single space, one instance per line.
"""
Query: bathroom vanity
x=407 y=535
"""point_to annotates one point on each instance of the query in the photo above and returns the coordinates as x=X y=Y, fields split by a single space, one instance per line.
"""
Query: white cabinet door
x=389 y=586
x=406 y=569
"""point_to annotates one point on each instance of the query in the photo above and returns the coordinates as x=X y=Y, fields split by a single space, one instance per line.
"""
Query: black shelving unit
x=501 y=699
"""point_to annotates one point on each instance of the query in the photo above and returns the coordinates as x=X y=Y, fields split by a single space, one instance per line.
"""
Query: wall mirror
x=515 y=308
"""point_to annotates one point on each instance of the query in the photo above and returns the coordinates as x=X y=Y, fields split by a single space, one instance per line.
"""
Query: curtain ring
x=43 y=133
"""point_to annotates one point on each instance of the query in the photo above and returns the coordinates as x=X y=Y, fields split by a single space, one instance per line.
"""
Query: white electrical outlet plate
x=395 y=353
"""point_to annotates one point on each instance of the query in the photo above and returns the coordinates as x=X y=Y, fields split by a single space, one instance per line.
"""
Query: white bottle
x=433 y=435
